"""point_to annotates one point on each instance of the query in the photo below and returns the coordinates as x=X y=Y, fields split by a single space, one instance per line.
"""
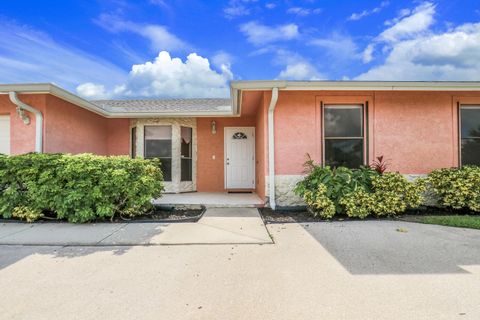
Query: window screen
x=186 y=160
x=158 y=144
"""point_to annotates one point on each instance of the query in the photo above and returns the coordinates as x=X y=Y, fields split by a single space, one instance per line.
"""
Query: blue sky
x=193 y=48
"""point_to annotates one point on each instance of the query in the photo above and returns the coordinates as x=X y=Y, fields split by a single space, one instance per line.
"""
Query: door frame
x=225 y=158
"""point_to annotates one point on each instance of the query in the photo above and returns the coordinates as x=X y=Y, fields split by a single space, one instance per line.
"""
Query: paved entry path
x=217 y=226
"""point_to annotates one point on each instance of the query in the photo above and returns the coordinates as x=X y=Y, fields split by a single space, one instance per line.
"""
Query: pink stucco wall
x=22 y=136
x=416 y=131
x=67 y=128
x=72 y=129
x=118 y=137
x=261 y=146
x=210 y=172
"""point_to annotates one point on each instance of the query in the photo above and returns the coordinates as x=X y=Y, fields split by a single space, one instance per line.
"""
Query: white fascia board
x=359 y=85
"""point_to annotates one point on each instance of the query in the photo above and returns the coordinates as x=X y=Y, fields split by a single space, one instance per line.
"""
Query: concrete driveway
x=340 y=270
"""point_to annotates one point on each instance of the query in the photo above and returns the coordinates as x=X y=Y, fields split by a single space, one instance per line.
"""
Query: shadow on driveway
x=395 y=247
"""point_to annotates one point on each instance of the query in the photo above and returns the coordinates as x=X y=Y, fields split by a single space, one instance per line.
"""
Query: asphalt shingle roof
x=165 y=105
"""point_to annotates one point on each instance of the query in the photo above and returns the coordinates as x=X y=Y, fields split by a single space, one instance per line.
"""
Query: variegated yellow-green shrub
x=358 y=204
x=318 y=202
x=393 y=194
x=77 y=188
x=457 y=188
x=357 y=192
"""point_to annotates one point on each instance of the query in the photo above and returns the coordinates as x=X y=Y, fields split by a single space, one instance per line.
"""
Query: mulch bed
x=187 y=215
x=302 y=215
x=159 y=215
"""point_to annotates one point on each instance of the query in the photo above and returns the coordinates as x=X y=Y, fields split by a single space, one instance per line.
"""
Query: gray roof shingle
x=165 y=105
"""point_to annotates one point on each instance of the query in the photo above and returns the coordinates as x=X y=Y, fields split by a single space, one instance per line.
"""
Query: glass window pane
x=470 y=122
x=471 y=152
x=166 y=166
x=186 y=142
x=158 y=148
x=186 y=170
x=343 y=121
x=344 y=152
x=158 y=132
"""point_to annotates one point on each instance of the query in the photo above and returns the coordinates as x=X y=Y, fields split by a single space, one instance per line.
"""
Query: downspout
x=271 y=148
x=38 y=119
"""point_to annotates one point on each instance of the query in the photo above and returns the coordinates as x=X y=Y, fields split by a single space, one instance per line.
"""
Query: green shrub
x=26 y=213
x=393 y=194
x=457 y=188
x=78 y=188
x=357 y=192
x=338 y=182
x=319 y=203
x=358 y=204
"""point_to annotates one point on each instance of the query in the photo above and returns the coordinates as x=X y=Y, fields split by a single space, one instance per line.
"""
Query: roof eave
x=49 y=88
x=357 y=85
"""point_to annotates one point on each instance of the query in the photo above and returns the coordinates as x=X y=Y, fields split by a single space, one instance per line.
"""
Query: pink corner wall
x=261 y=146
x=22 y=136
x=118 y=137
x=210 y=172
x=67 y=128
x=72 y=129
x=416 y=131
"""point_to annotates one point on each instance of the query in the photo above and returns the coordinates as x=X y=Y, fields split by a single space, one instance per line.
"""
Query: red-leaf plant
x=380 y=165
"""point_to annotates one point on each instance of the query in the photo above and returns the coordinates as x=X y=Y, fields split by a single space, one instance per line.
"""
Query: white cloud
x=169 y=78
x=28 y=55
x=222 y=59
x=365 y=13
x=418 y=21
x=300 y=71
x=409 y=24
x=451 y=55
x=259 y=34
x=295 y=66
x=90 y=90
x=300 y=11
x=270 y=5
x=159 y=36
x=338 y=47
x=237 y=8
x=367 y=55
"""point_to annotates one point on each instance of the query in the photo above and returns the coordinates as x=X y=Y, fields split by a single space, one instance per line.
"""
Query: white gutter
x=271 y=148
x=357 y=85
x=38 y=119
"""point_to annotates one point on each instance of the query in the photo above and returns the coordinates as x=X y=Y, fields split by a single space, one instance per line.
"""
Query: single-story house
x=259 y=137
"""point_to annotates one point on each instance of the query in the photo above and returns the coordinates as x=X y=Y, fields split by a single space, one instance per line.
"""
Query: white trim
x=271 y=147
x=359 y=85
x=225 y=155
x=5 y=118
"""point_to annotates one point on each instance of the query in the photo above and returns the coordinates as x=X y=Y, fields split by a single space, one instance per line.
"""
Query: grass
x=461 y=221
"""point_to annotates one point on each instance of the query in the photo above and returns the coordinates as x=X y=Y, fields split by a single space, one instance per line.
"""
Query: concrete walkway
x=326 y=270
x=217 y=226
x=211 y=200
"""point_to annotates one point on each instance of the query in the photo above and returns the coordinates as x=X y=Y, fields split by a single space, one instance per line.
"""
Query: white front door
x=5 y=134
x=240 y=158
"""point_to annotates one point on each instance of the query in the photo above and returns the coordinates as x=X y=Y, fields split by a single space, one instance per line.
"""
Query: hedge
x=457 y=188
x=357 y=192
x=77 y=188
